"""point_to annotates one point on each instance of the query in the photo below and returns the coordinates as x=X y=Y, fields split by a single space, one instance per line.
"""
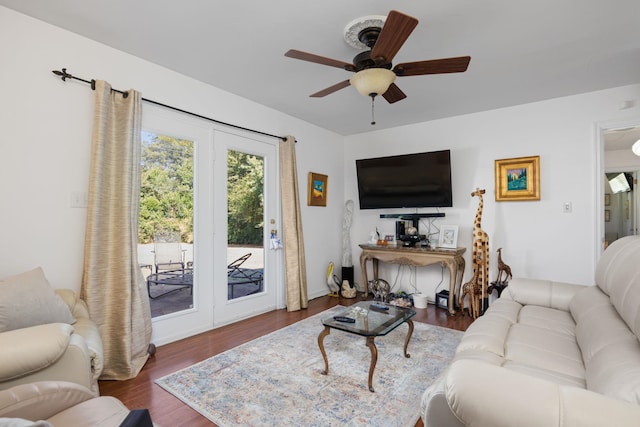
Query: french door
x=246 y=215
x=191 y=184
x=184 y=208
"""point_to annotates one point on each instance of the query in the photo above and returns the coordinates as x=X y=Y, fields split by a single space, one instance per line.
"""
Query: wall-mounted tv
x=419 y=180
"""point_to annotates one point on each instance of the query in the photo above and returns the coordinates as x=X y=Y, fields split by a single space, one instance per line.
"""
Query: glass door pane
x=245 y=224
x=165 y=234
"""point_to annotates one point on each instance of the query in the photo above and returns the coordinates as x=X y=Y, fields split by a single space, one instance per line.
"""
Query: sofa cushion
x=27 y=300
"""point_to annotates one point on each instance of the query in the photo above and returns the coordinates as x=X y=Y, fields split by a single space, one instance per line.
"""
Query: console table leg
x=406 y=341
x=374 y=359
x=323 y=334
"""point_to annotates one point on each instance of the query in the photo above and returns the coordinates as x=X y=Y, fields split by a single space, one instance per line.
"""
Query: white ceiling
x=521 y=51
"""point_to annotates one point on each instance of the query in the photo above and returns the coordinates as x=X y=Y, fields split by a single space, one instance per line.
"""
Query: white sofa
x=46 y=334
x=550 y=354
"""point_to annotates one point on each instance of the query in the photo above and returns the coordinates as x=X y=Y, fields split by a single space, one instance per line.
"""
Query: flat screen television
x=419 y=180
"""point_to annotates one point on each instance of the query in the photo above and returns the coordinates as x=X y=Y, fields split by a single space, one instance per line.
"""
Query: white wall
x=538 y=239
x=45 y=131
x=45 y=134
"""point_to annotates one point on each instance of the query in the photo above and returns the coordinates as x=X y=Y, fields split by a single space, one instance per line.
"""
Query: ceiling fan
x=374 y=73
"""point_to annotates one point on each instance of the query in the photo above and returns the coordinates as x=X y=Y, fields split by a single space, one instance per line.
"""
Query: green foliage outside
x=166 y=192
x=245 y=201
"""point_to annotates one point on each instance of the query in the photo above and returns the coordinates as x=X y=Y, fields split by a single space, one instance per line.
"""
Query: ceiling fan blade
x=336 y=87
x=394 y=94
x=433 y=66
x=395 y=32
x=298 y=54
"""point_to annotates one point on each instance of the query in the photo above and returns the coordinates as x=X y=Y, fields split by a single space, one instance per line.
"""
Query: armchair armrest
x=545 y=293
x=40 y=347
x=86 y=328
x=525 y=401
x=46 y=352
x=41 y=400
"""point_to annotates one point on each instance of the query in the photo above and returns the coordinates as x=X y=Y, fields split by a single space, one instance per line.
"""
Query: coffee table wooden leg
x=323 y=334
x=406 y=341
x=374 y=359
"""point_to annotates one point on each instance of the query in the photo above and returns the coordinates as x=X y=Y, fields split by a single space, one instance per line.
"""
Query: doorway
x=245 y=267
x=178 y=203
x=619 y=192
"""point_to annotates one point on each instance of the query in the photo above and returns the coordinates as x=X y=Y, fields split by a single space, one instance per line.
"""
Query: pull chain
x=373 y=119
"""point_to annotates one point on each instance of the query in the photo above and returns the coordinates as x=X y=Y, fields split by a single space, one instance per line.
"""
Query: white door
x=246 y=214
x=186 y=310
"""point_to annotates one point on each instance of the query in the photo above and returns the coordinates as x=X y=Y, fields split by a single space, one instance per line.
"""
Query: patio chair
x=234 y=267
x=238 y=276
x=167 y=251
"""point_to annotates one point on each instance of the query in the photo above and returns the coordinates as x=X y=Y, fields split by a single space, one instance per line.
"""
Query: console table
x=419 y=257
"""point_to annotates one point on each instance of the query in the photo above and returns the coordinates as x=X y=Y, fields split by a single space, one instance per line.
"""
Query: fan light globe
x=636 y=148
x=372 y=81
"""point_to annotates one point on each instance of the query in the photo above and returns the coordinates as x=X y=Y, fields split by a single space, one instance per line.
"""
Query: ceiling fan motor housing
x=363 y=61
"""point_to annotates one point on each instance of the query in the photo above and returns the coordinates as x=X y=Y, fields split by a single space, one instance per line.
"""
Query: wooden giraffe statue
x=503 y=268
x=473 y=288
x=480 y=254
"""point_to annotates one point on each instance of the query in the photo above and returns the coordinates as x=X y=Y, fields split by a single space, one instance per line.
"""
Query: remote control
x=344 y=319
x=375 y=306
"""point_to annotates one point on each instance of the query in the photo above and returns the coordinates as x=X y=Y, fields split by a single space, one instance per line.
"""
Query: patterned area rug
x=276 y=379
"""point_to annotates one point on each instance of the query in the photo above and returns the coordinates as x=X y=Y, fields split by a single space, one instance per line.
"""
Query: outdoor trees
x=245 y=185
x=166 y=193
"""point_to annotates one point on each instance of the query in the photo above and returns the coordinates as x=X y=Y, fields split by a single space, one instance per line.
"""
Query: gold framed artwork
x=607 y=199
x=607 y=215
x=517 y=179
x=317 y=191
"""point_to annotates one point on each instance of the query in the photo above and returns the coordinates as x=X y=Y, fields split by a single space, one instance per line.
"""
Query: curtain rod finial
x=63 y=74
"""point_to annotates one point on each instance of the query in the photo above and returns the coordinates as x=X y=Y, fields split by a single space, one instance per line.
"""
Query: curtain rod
x=64 y=76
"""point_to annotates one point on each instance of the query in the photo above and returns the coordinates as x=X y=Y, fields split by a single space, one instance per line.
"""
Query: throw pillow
x=27 y=299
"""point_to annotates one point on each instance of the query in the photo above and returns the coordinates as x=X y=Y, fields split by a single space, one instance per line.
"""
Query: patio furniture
x=176 y=278
x=241 y=277
x=167 y=251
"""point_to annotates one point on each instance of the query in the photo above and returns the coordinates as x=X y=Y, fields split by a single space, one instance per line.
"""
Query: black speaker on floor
x=347 y=274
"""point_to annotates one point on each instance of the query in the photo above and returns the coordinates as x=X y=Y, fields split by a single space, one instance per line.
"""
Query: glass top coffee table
x=370 y=320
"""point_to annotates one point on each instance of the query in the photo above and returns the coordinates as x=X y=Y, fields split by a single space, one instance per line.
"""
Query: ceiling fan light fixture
x=372 y=81
x=636 y=148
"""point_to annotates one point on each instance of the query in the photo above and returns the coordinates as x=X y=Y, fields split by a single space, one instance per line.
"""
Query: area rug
x=276 y=380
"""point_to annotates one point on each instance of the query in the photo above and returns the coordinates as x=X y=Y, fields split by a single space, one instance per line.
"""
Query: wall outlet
x=78 y=199
x=567 y=207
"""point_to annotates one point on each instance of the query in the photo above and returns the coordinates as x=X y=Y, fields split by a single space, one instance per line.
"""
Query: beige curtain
x=112 y=282
x=294 y=261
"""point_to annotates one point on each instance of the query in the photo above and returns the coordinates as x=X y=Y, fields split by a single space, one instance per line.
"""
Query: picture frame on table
x=517 y=179
x=317 y=190
x=448 y=237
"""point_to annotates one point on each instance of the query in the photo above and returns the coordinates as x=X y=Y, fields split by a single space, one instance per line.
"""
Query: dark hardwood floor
x=168 y=411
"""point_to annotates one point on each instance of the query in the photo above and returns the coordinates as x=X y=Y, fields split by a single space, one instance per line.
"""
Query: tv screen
x=420 y=180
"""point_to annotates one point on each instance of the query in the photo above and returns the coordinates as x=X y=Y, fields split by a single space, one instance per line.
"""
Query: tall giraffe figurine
x=480 y=247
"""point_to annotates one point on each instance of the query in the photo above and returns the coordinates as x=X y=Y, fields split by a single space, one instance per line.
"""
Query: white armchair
x=65 y=404
x=46 y=335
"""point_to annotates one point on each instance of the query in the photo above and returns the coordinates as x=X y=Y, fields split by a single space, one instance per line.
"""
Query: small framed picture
x=448 y=237
x=317 y=192
x=607 y=199
x=607 y=215
x=517 y=179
